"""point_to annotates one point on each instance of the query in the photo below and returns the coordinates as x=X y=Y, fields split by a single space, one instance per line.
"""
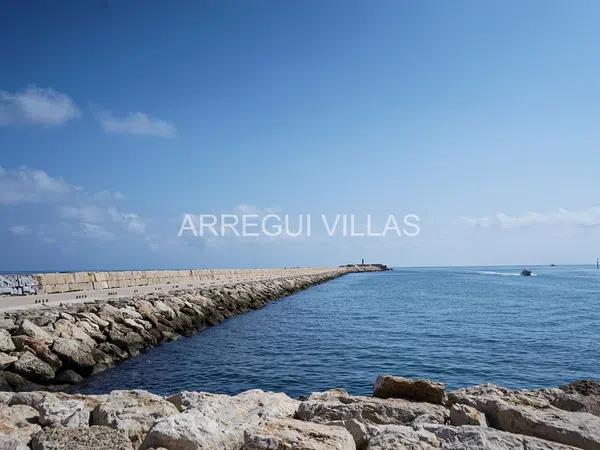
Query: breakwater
x=60 y=345
x=402 y=413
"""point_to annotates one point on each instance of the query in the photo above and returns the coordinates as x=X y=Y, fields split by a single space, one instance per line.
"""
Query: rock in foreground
x=483 y=417
x=388 y=386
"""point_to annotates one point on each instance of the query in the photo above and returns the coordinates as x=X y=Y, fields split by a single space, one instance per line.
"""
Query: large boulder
x=5 y=397
x=570 y=428
x=92 y=330
x=324 y=408
x=19 y=422
x=39 y=348
x=68 y=412
x=11 y=441
x=68 y=377
x=249 y=403
x=191 y=430
x=10 y=381
x=6 y=343
x=125 y=338
x=402 y=437
x=68 y=329
x=212 y=421
x=6 y=360
x=109 y=313
x=93 y=318
x=582 y=395
x=38 y=400
x=416 y=390
x=31 y=329
x=132 y=412
x=83 y=438
x=75 y=355
x=532 y=413
x=33 y=368
x=295 y=434
x=474 y=437
x=466 y=415
x=476 y=395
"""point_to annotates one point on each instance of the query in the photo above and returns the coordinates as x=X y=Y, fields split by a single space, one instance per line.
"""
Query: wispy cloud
x=29 y=185
x=20 y=230
x=38 y=106
x=137 y=123
x=589 y=217
x=96 y=232
x=244 y=208
x=101 y=214
x=131 y=221
x=55 y=211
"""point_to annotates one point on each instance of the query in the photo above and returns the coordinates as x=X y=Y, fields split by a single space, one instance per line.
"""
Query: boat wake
x=504 y=274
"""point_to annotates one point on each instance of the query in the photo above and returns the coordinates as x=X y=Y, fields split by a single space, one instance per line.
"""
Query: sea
x=459 y=325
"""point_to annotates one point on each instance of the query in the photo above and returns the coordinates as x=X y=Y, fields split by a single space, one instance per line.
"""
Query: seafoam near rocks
x=257 y=420
x=62 y=345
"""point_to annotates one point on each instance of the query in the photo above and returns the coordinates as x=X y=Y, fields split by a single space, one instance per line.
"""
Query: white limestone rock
x=133 y=412
x=295 y=434
x=211 y=421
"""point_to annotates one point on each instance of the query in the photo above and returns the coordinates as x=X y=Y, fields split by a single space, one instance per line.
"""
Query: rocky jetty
x=52 y=347
x=401 y=414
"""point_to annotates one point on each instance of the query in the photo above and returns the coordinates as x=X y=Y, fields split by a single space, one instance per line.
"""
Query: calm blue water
x=463 y=326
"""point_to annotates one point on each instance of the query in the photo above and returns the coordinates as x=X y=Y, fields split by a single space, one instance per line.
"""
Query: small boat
x=525 y=273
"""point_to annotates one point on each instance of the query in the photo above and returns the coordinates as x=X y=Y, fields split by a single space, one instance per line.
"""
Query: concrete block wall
x=52 y=283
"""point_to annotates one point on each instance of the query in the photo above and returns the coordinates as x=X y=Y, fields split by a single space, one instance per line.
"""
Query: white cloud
x=589 y=217
x=63 y=211
x=20 y=230
x=137 y=123
x=38 y=106
x=85 y=213
x=29 y=185
x=244 y=208
x=100 y=214
x=96 y=232
x=131 y=221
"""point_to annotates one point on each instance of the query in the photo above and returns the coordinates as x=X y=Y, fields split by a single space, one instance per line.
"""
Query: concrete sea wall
x=61 y=345
x=53 y=283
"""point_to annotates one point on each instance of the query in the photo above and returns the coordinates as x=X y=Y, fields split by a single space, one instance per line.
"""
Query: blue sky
x=116 y=118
